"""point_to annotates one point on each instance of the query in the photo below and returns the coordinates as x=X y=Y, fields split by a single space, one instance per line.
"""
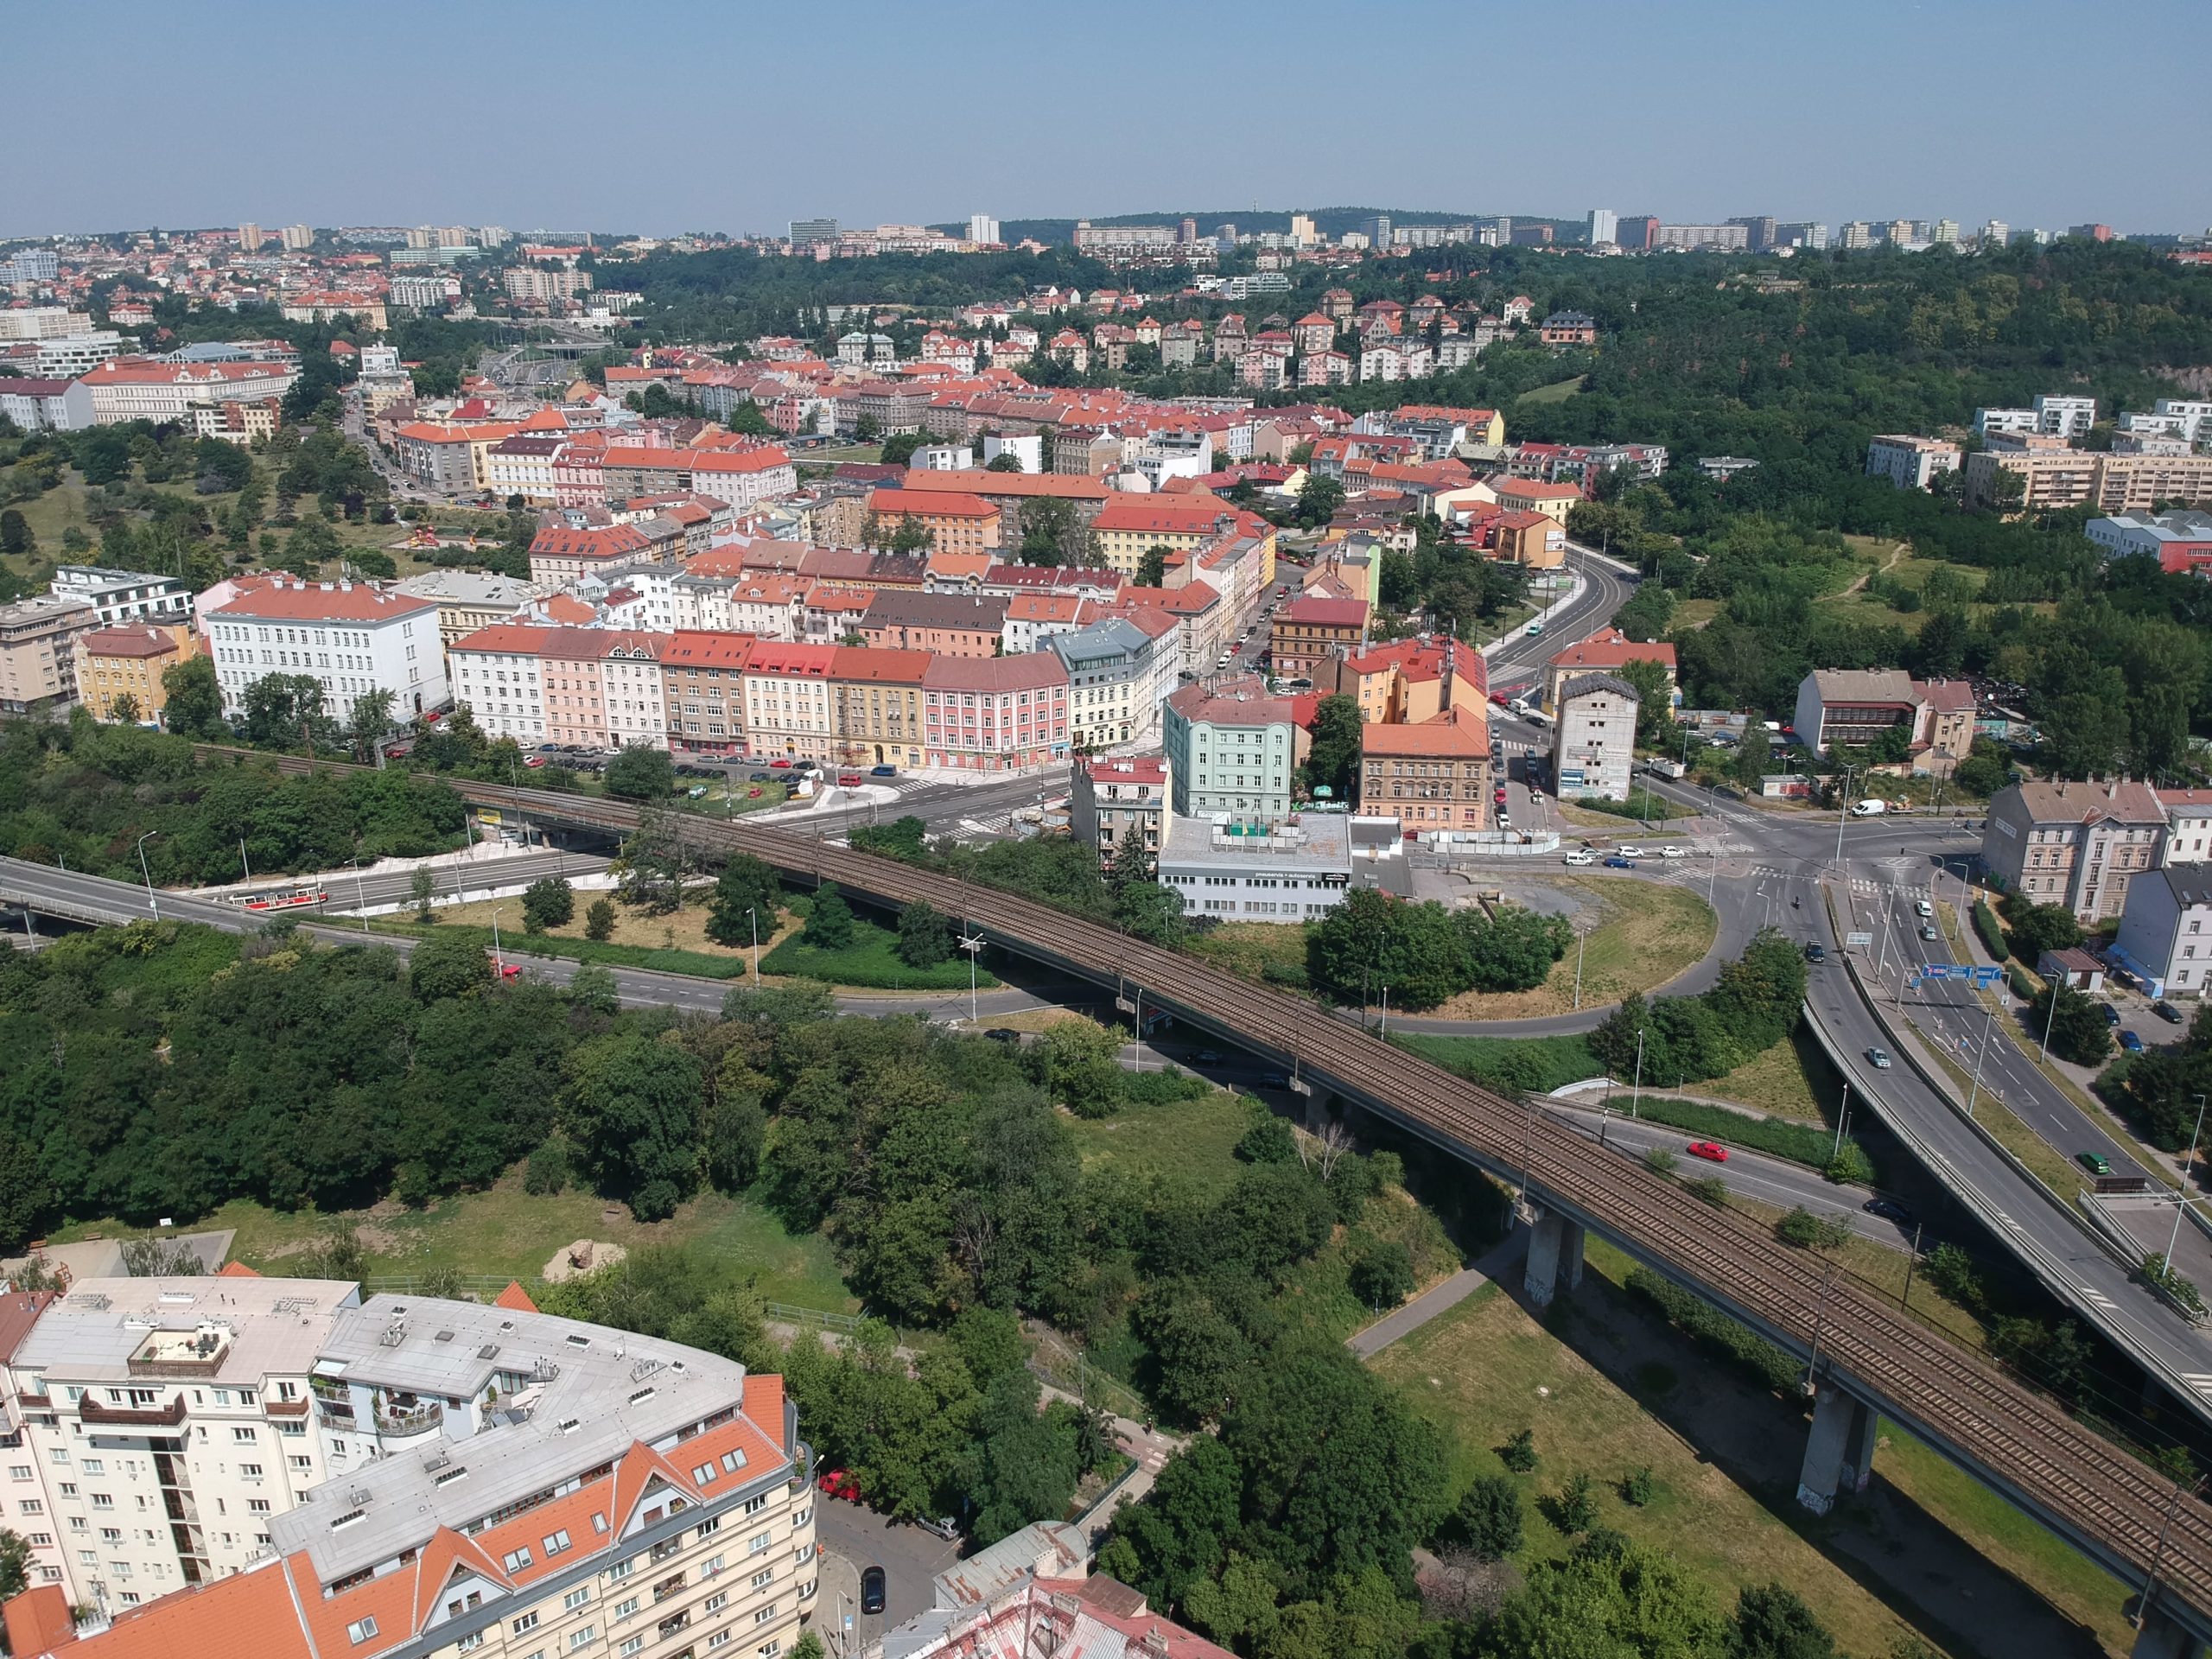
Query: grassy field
x=1558 y=392
x=1792 y=1079
x=505 y=1233
x=1250 y=949
x=1537 y=1063
x=1186 y=1143
x=1925 y=1546
x=870 y=961
x=1646 y=934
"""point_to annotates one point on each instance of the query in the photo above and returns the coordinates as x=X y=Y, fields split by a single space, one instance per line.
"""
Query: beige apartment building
x=2077 y=844
x=2053 y=479
x=38 y=638
x=113 y=663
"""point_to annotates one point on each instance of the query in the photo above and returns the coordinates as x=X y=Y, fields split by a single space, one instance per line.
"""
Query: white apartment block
x=478 y=1478
x=351 y=636
x=123 y=597
x=497 y=677
x=1595 y=740
x=67 y=355
x=2065 y=418
x=2176 y=417
x=165 y=1425
x=2189 y=827
x=42 y=322
x=137 y=389
x=1910 y=463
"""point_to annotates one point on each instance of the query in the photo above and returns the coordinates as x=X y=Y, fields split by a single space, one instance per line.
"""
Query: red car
x=848 y=780
x=533 y=759
x=780 y=764
x=838 y=1484
x=506 y=970
x=1711 y=1151
x=1498 y=697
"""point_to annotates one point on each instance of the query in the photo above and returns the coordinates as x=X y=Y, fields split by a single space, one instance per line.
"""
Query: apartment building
x=523 y=466
x=2055 y=415
x=2076 y=844
x=1910 y=463
x=166 y=1422
x=1407 y=680
x=787 y=701
x=1433 y=774
x=702 y=682
x=1115 y=681
x=1594 y=743
x=875 y=706
x=38 y=638
x=1111 y=799
x=2189 y=826
x=351 y=636
x=2165 y=933
x=512 y=1484
x=1010 y=491
x=1555 y=501
x=956 y=523
x=1129 y=526
x=1606 y=651
x=560 y=556
x=140 y=389
x=46 y=403
x=1309 y=631
x=501 y=676
x=1535 y=540
x=1032 y=619
x=122 y=597
x=1231 y=748
x=993 y=713
x=113 y=663
x=469 y=600
x=1855 y=707
x=951 y=625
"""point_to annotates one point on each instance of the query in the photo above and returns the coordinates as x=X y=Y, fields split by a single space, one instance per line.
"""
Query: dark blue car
x=1619 y=863
x=2131 y=1042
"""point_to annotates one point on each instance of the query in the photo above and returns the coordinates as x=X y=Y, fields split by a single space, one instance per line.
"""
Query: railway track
x=2113 y=1505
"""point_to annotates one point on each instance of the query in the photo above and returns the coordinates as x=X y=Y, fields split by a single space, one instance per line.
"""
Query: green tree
x=1619 y=1600
x=16 y=537
x=641 y=772
x=124 y=710
x=1575 y=1509
x=745 y=900
x=421 y=887
x=547 y=902
x=1490 y=1518
x=1319 y=500
x=1178 y=1536
x=925 y=936
x=1332 y=760
x=193 y=699
x=1004 y=461
x=14 y=1565
x=2038 y=928
x=1773 y=1622
x=1150 y=911
x=599 y=919
x=1519 y=1453
x=447 y=965
x=632 y=1107
x=592 y=986
x=829 y=923
x=2078 y=1030
x=369 y=719
x=1152 y=566
x=1079 y=1065
x=1655 y=711
x=283 y=711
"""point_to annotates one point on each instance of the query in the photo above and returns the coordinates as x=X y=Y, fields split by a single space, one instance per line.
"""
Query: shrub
x=1519 y=1453
x=1660 y=1161
x=1807 y=1231
x=1491 y=1516
x=547 y=902
x=1708 y=1189
x=1760 y=1359
x=599 y=920
x=547 y=1172
x=1382 y=1274
x=830 y=922
x=1638 y=1488
x=1991 y=931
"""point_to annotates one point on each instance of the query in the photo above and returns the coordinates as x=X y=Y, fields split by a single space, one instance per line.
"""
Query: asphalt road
x=457 y=878
x=911 y=1559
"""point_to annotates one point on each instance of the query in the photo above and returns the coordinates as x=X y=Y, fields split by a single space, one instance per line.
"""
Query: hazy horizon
x=673 y=115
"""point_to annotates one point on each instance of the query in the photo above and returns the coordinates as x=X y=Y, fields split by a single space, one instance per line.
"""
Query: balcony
x=166 y=1416
x=400 y=1422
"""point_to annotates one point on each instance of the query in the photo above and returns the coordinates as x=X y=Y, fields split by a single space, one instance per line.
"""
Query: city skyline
x=1693 y=121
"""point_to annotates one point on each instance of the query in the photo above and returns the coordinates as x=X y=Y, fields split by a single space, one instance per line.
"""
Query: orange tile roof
x=38 y=1620
x=207 y=1622
x=1459 y=731
x=1067 y=486
x=512 y=638
x=939 y=504
x=704 y=648
x=877 y=667
x=236 y=1270
x=311 y=601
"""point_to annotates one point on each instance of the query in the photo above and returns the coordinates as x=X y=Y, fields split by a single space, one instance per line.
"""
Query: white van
x=1868 y=808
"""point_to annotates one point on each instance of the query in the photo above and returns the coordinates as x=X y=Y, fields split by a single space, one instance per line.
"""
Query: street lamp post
x=973 y=944
x=499 y=960
x=1988 y=1019
x=2181 y=1200
x=1636 y=1091
x=1842 y=811
x=152 y=903
x=1842 y=1117
x=1581 y=937
x=2043 y=1055
x=360 y=897
x=753 y=916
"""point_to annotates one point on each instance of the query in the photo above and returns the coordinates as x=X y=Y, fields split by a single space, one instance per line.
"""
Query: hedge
x=2022 y=982
x=695 y=965
x=1991 y=931
x=1537 y=1065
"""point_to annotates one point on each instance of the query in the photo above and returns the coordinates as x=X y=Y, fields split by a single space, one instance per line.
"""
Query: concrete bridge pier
x=1554 y=1255
x=2161 y=1638
x=1320 y=1104
x=1839 y=1449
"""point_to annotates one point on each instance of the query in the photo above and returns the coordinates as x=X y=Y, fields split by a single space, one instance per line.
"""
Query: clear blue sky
x=667 y=115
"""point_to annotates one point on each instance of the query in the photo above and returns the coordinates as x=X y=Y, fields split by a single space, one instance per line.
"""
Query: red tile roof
x=322 y=601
